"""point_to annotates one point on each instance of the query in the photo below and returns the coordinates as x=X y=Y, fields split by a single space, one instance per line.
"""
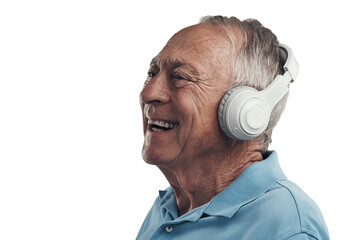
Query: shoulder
x=290 y=212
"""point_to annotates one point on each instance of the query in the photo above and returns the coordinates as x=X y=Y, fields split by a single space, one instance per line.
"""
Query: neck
x=196 y=181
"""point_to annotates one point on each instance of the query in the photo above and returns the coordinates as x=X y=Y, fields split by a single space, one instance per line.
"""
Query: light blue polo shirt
x=260 y=204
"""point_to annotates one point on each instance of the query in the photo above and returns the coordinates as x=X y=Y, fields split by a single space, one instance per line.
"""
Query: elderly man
x=210 y=102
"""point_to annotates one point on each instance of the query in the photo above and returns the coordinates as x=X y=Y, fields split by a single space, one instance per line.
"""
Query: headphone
x=244 y=112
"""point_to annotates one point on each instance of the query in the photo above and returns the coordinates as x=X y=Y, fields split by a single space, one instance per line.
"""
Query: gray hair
x=256 y=61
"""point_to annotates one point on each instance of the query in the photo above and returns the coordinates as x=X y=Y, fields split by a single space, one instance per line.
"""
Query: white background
x=70 y=121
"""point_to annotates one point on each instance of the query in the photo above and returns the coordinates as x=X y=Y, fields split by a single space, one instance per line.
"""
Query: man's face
x=180 y=98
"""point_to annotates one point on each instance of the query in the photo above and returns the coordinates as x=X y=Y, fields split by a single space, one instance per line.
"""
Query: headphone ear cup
x=242 y=114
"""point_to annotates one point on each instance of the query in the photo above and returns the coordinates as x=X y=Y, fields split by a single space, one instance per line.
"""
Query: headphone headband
x=280 y=85
x=291 y=65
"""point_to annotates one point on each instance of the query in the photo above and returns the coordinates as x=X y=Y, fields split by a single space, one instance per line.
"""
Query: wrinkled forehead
x=196 y=34
x=199 y=42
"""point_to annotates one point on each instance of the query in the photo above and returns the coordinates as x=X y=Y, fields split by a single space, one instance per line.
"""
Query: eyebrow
x=174 y=64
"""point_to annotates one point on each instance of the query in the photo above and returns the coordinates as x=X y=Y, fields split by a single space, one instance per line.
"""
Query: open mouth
x=159 y=125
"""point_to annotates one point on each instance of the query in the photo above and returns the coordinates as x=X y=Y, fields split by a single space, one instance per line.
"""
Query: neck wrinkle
x=199 y=180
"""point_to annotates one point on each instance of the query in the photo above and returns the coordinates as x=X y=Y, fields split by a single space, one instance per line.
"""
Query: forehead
x=199 y=44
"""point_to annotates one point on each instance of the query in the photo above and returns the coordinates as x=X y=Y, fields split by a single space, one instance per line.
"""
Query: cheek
x=200 y=111
x=192 y=99
x=190 y=106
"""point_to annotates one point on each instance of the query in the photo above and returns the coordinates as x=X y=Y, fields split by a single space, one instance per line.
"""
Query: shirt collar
x=254 y=181
x=168 y=204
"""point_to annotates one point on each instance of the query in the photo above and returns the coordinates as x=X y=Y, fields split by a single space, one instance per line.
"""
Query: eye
x=181 y=80
x=180 y=76
x=151 y=74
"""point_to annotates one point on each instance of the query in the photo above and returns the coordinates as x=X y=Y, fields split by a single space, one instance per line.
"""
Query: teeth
x=163 y=124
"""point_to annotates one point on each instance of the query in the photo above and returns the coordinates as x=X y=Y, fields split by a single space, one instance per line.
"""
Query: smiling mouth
x=159 y=125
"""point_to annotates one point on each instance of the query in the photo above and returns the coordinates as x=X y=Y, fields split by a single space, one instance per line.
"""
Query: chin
x=155 y=157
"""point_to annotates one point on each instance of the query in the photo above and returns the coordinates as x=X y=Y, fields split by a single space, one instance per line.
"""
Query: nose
x=156 y=91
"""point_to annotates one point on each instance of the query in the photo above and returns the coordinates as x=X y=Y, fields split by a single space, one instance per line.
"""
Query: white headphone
x=244 y=112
